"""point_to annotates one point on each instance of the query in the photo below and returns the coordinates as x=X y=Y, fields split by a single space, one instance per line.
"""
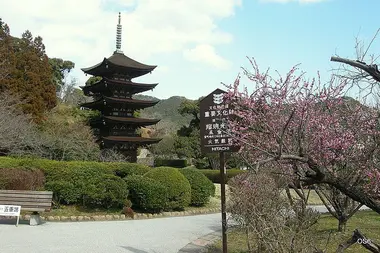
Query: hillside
x=167 y=111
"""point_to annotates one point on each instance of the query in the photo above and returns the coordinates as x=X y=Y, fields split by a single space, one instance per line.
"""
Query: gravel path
x=162 y=235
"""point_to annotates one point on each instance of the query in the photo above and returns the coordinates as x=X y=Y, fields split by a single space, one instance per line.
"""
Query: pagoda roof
x=128 y=120
x=112 y=100
x=127 y=139
x=118 y=62
x=102 y=84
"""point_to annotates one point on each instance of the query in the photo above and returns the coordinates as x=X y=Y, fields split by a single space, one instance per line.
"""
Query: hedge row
x=109 y=184
x=92 y=184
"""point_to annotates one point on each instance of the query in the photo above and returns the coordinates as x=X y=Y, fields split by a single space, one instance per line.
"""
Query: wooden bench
x=34 y=201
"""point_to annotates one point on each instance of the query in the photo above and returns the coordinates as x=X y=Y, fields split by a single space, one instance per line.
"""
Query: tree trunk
x=342 y=224
x=356 y=192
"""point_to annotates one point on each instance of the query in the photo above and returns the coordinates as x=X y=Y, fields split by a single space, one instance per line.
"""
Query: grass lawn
x=73 y=210
x=368 y=222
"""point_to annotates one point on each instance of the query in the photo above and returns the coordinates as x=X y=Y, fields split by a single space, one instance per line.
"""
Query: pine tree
x=28 y=73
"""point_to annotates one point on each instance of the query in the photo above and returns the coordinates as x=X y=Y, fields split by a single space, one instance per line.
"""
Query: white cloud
x=206 y=54
x=84 y=31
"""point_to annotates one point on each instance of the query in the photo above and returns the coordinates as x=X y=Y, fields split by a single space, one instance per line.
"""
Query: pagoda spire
x=118 y=36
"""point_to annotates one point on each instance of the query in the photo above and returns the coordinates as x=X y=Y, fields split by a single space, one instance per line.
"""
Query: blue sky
x=197 y=44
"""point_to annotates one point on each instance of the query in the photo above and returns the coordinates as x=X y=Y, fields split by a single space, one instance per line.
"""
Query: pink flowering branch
x=292 y=119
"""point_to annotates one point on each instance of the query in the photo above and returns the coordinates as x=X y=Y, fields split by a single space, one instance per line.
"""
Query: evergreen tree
x=27 y=72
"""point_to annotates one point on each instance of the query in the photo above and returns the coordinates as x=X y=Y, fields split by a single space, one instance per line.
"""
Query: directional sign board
x=214 y=114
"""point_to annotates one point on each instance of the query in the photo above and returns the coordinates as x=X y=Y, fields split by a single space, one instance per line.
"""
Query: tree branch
x=372 y=70
x=356 y=238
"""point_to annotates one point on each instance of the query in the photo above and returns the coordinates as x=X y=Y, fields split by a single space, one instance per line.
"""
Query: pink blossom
x=305 y=118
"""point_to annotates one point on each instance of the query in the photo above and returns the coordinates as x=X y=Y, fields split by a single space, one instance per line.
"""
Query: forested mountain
x=167 y=111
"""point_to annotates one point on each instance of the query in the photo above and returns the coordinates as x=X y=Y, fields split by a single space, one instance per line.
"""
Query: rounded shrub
x=78 y=184
x=105 y=191
x=146 y=194
x=201 y=187
x=178 y=187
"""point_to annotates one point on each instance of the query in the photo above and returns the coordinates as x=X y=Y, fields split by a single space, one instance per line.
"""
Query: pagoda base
x=130 y=155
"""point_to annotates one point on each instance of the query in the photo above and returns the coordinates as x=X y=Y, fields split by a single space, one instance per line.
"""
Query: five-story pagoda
x=117 y=127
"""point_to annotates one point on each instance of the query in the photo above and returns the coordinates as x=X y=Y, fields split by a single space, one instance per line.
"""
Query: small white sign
x=8 y=210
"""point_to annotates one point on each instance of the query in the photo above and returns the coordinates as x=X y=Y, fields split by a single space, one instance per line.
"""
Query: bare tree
x=111 y=155
x=18 y=134
x=270 y=225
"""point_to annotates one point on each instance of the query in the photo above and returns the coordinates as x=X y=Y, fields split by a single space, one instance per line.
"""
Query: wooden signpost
x=216 y=138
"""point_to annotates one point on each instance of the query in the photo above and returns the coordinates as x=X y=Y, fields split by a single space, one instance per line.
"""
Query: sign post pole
x=223 y=200
x=216 y=138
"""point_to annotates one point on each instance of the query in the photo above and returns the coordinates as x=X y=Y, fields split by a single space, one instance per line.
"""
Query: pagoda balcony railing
x=123 y=134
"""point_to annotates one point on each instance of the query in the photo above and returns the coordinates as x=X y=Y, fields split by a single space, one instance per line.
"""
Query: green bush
x=178 y=187
x=201 y=187
x=89 y=189
x=123 y=169
x=146 y=194
x=64 y=192
x=106 y=191
x=175 y=163
x=214 y=175
x=9 y=162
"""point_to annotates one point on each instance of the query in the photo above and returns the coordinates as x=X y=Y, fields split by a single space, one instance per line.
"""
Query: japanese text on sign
x=214 y=114
x=7 y=210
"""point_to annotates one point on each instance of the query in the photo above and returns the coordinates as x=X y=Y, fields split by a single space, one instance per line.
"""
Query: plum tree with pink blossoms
x=308 y=129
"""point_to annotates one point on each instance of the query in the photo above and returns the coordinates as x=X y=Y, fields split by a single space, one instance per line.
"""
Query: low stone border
x=201 y=244
x=137 y=216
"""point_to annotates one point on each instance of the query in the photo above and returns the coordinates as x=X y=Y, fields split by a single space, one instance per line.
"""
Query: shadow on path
x=12 y=221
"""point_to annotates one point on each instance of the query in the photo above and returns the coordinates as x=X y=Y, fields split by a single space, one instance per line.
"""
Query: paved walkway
x=162 y=235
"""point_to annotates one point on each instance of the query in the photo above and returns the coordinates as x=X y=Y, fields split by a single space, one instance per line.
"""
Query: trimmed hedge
x=86 y=186
x=214 y=175
x=178 y=187
x=50 y=167
x=78 y=182
x=175 y=163
x=201 y=187
x=146 y=194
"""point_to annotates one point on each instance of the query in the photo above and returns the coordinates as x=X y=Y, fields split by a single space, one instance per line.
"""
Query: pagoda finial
x=118 y=36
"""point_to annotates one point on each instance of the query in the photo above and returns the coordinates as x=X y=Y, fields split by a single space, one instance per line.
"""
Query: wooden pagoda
x=117 y=127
